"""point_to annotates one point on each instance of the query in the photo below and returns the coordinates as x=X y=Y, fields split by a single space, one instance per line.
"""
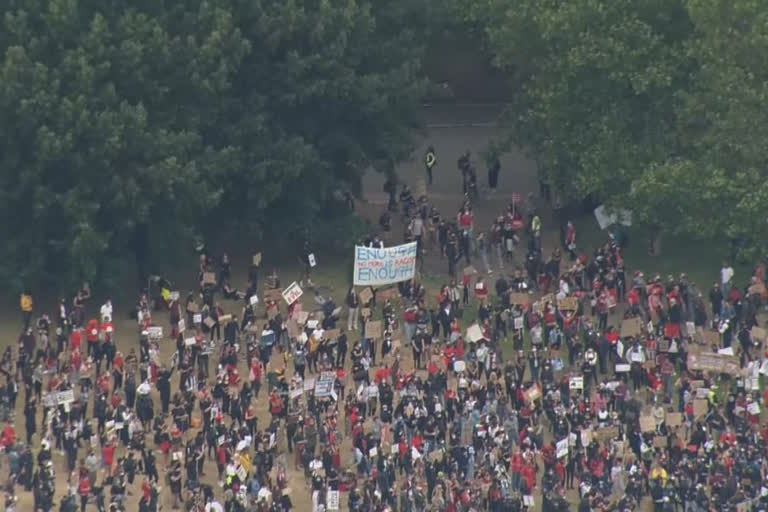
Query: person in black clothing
x=493 y=173
x=164 y=387
x=231 y=331
x=341 y=350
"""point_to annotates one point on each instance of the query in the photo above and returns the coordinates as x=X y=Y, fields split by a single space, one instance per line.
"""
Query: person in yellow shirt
x=26 y=304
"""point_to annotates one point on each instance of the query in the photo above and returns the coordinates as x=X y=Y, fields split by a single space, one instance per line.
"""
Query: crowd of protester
x=525 y=382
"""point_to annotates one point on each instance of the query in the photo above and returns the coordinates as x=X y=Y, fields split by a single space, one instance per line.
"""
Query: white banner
x=292 y=293
x=375 y=266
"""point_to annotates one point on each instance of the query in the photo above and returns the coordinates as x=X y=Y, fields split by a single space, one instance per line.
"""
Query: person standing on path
x=429 y=161
x=26 y=304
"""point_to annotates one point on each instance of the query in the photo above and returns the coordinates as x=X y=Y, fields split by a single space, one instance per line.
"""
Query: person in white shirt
x=106 y=310
x=726 y=274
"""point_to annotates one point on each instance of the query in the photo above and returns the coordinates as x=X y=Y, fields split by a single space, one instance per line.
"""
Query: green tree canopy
x=125 y=123
x=651 y=104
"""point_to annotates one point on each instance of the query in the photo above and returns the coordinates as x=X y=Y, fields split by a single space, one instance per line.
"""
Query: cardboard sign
x=760 y=334
x=373 y=329
x=331 y=334
x=366 y=295
x=436 y=455
x=710 y=338
x=647 y=424
x=711 y=362
x=631 y=327
x=302 y=317
x=659 y=441
x=547 y=299
x=209 y=322
x=533 y=393
x=225 y=319
x=673 y=419
x=192 y=307
x=519 y=299
x=470 y=270
x=209 y=278
x=389 y=294
x=256 y=261
x=568 y=304
x=292 y=293
x=475 y=333
x=538 y=307
x=700 y=408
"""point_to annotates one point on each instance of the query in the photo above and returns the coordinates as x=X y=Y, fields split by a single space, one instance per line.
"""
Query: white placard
x=637 y=357
x=518 y=323
x=254 y=299
x=528 y=500
x=332 y=500
x=155 y=332
x=620 y=348
x=182 y=325
x=292 y=293
x=373 y=452
x=459 y=366
x=175 y=295
x=622 y=368
x=190 y=341
x=562 y=448
x=753 y=408
x=65 y=397
x=376 y=266
x=312 y=260
x=576 y=382
x=296 y=393
x=197 y=318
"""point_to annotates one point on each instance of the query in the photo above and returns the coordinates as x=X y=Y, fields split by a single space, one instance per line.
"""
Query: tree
x=129 y=124
x=652 y=105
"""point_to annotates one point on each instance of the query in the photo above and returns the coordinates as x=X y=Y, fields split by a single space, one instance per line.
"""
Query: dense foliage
x=650 y=104
x=128 y=124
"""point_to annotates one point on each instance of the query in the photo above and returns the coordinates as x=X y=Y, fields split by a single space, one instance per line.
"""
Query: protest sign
x=700 y=408
x=533 y=393
x=302 y=317
x=366 y=295
x=296 y=393
x=759 y=334
x=292 y=293
x=631 y=327
x=568 y=304
x=475 y=333
x=709 y=361
x=376 y=266
x=562 y=448
x=517 y=323
x=616 y=216
x=576 y=382
x=673 y=419
x=209 y=278
x=622 y=368
x=189 y=342
x=331 y=334
x=332 y=500
x=389 y=294
x=155 y=332
x=182 y=326
x=538 y=307
x=647 y=424
x=710 y=338
x=659 y=441
x=65 y=397
x=256 y=261
x=197 y=318
x=519 y=299
x=373 y=329
x=312 y=260
x=459 y=366
x=309 y=384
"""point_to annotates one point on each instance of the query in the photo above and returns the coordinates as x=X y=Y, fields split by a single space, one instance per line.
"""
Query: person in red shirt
x=254 y=376
x=481 y=289
x=9 y=435
x=117 y=371
x=84 y=489
x=92 y=335
x=108 y=454
x=76 y=339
